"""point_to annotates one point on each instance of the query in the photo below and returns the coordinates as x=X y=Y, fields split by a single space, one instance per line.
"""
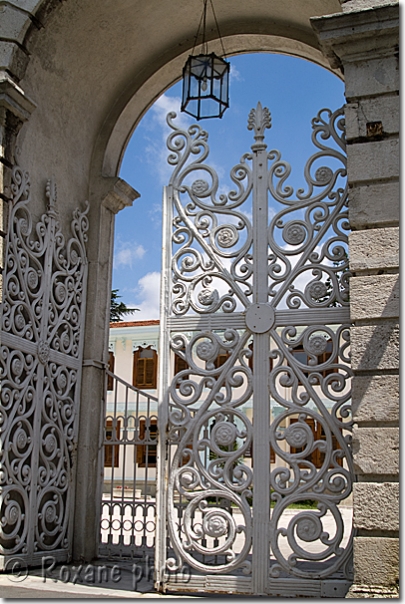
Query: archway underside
x=95 y=68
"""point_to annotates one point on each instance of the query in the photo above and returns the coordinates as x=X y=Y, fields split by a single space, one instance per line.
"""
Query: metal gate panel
x=255 y=302
x=41 y=359
x=128 y=508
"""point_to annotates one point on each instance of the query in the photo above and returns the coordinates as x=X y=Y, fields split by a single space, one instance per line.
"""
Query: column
x=115 y=194
x=364 y=45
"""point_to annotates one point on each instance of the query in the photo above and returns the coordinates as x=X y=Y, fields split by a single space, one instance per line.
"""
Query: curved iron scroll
x=259 y=278
x=40 y=369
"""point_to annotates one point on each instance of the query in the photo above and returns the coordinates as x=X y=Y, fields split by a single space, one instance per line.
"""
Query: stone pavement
x=120 y=578
x=101 y=579
x=33 y=587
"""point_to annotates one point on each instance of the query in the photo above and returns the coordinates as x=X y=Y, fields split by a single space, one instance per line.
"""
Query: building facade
x=134 y=357
x=76 y=78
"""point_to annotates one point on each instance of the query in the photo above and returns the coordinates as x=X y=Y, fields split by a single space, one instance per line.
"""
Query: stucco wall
x=77 y=75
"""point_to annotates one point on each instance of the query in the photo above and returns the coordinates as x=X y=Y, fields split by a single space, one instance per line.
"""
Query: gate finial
x=52 y=196
x=259 y=119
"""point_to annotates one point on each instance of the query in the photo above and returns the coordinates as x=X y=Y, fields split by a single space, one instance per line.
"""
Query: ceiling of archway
x=93 y=56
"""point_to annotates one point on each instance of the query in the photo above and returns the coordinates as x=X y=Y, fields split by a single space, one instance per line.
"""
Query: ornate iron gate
x=255 y=426
x=40 y=369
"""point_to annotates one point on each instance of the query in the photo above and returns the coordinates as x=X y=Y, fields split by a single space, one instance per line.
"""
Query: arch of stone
x=76 y=76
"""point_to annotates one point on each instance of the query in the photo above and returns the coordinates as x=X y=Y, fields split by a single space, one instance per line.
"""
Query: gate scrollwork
x=206 y=466
x=40 y=369
x=257 y=309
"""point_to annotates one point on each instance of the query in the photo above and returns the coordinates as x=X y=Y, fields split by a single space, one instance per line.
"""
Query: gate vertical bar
x=163 y=392
x=259 y=119
x=39 y=393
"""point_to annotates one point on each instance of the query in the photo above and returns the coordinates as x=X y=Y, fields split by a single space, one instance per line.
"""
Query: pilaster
x=363 y=43
x=108 y=196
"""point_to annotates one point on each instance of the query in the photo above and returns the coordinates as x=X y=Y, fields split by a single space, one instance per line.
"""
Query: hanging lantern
x=205 y=86
x=205 y=80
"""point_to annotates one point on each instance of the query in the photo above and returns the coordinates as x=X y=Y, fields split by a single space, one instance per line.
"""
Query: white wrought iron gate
x=40 y=371
x=255 y=469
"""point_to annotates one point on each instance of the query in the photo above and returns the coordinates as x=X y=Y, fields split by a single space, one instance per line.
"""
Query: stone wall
x=53 y=52
x=364 y=44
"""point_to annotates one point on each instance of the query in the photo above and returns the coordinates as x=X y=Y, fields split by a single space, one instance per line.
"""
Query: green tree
x=118 y=309
x=342 y=286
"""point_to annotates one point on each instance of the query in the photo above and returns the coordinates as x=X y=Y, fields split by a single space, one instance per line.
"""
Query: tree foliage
x=118 y=310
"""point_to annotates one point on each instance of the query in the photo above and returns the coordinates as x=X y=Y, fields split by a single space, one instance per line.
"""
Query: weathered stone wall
x=93 y=67
x=365 y=45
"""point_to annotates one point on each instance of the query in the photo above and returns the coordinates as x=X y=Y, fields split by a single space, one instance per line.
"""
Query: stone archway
x=81 y=62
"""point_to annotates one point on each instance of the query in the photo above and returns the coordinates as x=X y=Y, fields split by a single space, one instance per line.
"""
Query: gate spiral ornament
x=258 y=417
x=40 y=367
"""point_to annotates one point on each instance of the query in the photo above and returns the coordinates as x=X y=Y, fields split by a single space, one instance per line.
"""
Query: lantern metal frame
x=205 y=78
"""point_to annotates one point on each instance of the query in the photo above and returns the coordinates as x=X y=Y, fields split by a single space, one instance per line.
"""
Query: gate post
x=115 y=194
x=364 y=45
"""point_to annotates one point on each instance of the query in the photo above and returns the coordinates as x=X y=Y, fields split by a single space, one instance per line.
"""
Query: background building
x=75 y=78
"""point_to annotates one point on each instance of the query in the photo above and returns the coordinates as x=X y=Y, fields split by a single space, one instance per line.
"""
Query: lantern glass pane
x=205 y=86
x=216 y=88
x=199 y=66
x=194 y=88
x=209 y=108
x=219 y=66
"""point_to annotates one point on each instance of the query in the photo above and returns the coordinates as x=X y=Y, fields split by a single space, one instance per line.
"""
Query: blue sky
x=293 y=89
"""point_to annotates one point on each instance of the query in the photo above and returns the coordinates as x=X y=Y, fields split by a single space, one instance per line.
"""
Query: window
x=108 y=449
x=251 y=360
x=145 y=368
x=317 y=457
x=301 y=356
x=110 y=367
x=146 y=454
x=221 y=359
x=180 y=364
x=249 y=454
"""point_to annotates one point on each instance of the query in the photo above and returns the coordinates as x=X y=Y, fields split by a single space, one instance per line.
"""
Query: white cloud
x=303 y=278
x=163 y=106
x=147 y=298
x=156 y=151
x=155 y=215
x=127 y=253
x=235 y=75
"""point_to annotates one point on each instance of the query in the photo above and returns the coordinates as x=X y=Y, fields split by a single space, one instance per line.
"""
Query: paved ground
x=35 y=587
x=109 y=579
x=328 y=525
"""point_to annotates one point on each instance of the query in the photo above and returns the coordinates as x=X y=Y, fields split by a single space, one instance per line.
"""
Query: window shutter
x=221 y=359
x=146 y=454
x=149 y=372
x=317 y=457
x=108 y=449
x=179 y=364
x=111 y=363
x=145 y=368
x=140 y=371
